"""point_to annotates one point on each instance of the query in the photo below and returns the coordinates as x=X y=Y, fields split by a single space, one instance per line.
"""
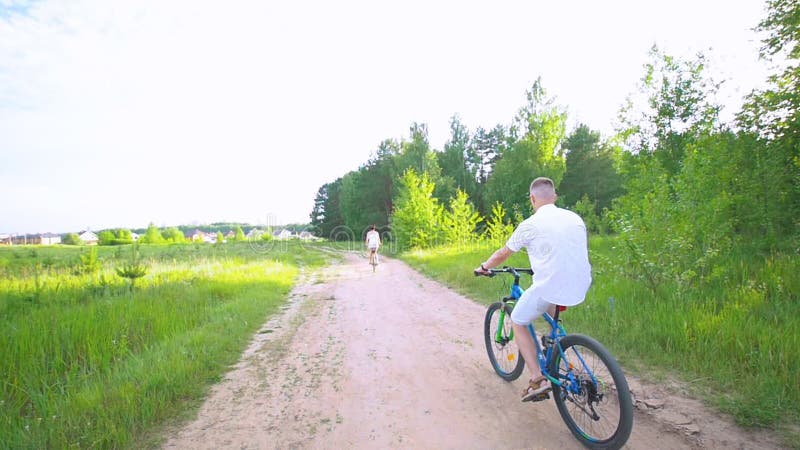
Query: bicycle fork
x=498 y=336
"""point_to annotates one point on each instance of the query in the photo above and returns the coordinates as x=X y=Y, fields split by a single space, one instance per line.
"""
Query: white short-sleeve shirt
x=373 y=239
x=556 y=242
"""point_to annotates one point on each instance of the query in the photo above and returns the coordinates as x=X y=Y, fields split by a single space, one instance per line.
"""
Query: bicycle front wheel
x=594 y=400
x=504 y=356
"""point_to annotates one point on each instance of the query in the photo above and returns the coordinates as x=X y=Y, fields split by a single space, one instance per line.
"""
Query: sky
x=120 y=113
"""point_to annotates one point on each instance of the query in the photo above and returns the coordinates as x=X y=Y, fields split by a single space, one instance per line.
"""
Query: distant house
x=230 y=234
x=48 y=239
x=196 y=235
x=89 y=238
x=282 y=234
x=306 y=236
x=134 y=236
x=255 y=233
x=30 y=239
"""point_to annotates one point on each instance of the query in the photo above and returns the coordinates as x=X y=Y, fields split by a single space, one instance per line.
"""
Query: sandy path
x=394 y=360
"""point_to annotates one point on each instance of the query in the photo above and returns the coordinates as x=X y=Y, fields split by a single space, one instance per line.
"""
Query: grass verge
x=87 y=363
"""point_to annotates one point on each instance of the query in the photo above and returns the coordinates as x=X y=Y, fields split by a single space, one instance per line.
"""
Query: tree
x=459 y=222
x=541 y=120
x=89 y=261
x=152 y=235
x=133 y=269
x=327 y=215
x=776 y=111
x=357 y=201
x=587 y=209
x=381 y=173
x=71 y=239
x=173 y=235
x=590 y=171
x=485 y=149
x=106 y=237
x=453 y=160
x=365 y=195
x=498 y=230
x=460 y=163
x=416 y=154
x=537 y=153
x=123 y=234
x=238 y=235
x=774 y=116
x=672 y=125
x=672 y=109
x=696 y=190
x=417 y=215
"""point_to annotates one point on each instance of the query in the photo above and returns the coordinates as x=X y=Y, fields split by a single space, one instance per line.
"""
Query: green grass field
x=88 y=363
x=736 y=341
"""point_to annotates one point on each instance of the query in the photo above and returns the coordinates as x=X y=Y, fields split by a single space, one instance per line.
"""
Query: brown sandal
x=537 y=390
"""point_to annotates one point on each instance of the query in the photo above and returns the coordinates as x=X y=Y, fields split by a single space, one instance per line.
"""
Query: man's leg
x=526 y=311
x=527 y=348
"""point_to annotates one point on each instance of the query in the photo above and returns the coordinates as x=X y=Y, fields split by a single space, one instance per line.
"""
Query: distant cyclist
x=373 y=243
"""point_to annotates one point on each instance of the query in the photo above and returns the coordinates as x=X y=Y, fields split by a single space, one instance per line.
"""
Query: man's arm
x=496 y=259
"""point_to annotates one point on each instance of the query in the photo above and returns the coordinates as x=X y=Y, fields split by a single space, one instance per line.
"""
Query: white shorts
x=529 y=308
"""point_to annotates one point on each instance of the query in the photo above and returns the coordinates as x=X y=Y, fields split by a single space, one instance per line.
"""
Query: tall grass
x=87 y=363
x=735 y=340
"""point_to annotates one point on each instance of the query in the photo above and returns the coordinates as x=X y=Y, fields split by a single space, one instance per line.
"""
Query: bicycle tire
x=611 y=428
x=509 y=365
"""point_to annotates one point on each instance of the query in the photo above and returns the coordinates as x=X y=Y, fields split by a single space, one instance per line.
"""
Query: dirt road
x=394 y=360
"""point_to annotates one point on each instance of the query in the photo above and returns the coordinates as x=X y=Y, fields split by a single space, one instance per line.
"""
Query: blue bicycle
x=588 y=384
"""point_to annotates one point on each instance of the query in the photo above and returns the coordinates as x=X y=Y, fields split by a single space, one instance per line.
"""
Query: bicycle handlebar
x=506 y=269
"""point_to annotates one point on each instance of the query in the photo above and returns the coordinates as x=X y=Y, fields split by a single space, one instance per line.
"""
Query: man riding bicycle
x=556 y=242
x=373 y=242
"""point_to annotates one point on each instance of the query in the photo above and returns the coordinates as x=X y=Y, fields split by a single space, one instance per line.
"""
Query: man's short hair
x=543 y=187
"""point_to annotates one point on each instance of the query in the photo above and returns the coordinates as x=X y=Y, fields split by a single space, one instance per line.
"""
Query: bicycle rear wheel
x=504 y=356
x=596 y=402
